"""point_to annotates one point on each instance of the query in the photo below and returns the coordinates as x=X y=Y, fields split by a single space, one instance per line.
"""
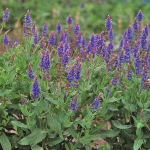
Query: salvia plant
x=62 y=94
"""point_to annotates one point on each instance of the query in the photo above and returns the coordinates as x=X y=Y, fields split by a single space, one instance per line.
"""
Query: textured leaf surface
x=5 y=142
x=137 y=144
x=19 y=124
x=36 y=147
x=90 y=138
x=117 y=124
x=35 y=137
x=53 y=122
x=55 y=141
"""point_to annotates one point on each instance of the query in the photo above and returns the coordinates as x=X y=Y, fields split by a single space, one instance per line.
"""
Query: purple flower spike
x=121 y=59
x=111 y=34
x=25 y=33
x=51 y=39
x=78 y=41
x=135 y=49
x=144 y=76
x=76 y=28
x=96 y=102
x=15 y=41
x=71 y=75
x=30 y=72
x=83 y=41
x=5 y=41
x=114 y=81
x=6 y=15
x=78 y=72
x=108 y=23
x=27 y=20
x=135 y=25
x=130 y=33
x=35 y=88
x=45 y=29
x=129 y=73
x=69 y=20
x=60 y=49
x=143 y=39
x=92 y=39
x=65 y=59
x=42 y=59
x=33 y=29
x=139 y=16
x=35 y=37
x=146 y=30
x=47 y=63
x=73 y=104
x=58 y=27
x=120 y=45
x=89 y=47
x=137 y=64
x=127 y=52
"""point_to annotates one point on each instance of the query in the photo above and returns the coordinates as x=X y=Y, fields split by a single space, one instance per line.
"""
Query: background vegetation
x=89 y=13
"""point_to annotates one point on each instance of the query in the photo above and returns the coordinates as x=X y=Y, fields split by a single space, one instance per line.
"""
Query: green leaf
x=137 y=144
x=112 y=108
x=35 y=137
x=19 y=124
x=108 y=133
x=5 y=142
x=147 y=136
x=90 y=138
x=117 y=124
x=66 y=146
x=2 y=80
x=52 y=101
x=5 y=92
x=36 y=147
x=53 y=122
x=73 y=132
x=87 y=147
x=113 y=99
x=55 y=141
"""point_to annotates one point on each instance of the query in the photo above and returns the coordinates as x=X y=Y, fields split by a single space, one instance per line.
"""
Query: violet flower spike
x=140 y=16
x=15 y=41
x=73 y=104
x=58 y=27
x=111 y=34
x=69 y=20
x=5 y=15
x=137 y=64
x=129 y=73
x=30 y=72
x=83 y=41
x=130 y=33
x=51 y=39
x=5 y=41
x=135 y=25
x=76 y=28
x=45 y=29
x=108 y=23
x=78 y=72
x=35 y=88
x=33 y=29
x=96 y=102
x=47 y=63
x=146 y=30
x=27 y=20
x=36 y=41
